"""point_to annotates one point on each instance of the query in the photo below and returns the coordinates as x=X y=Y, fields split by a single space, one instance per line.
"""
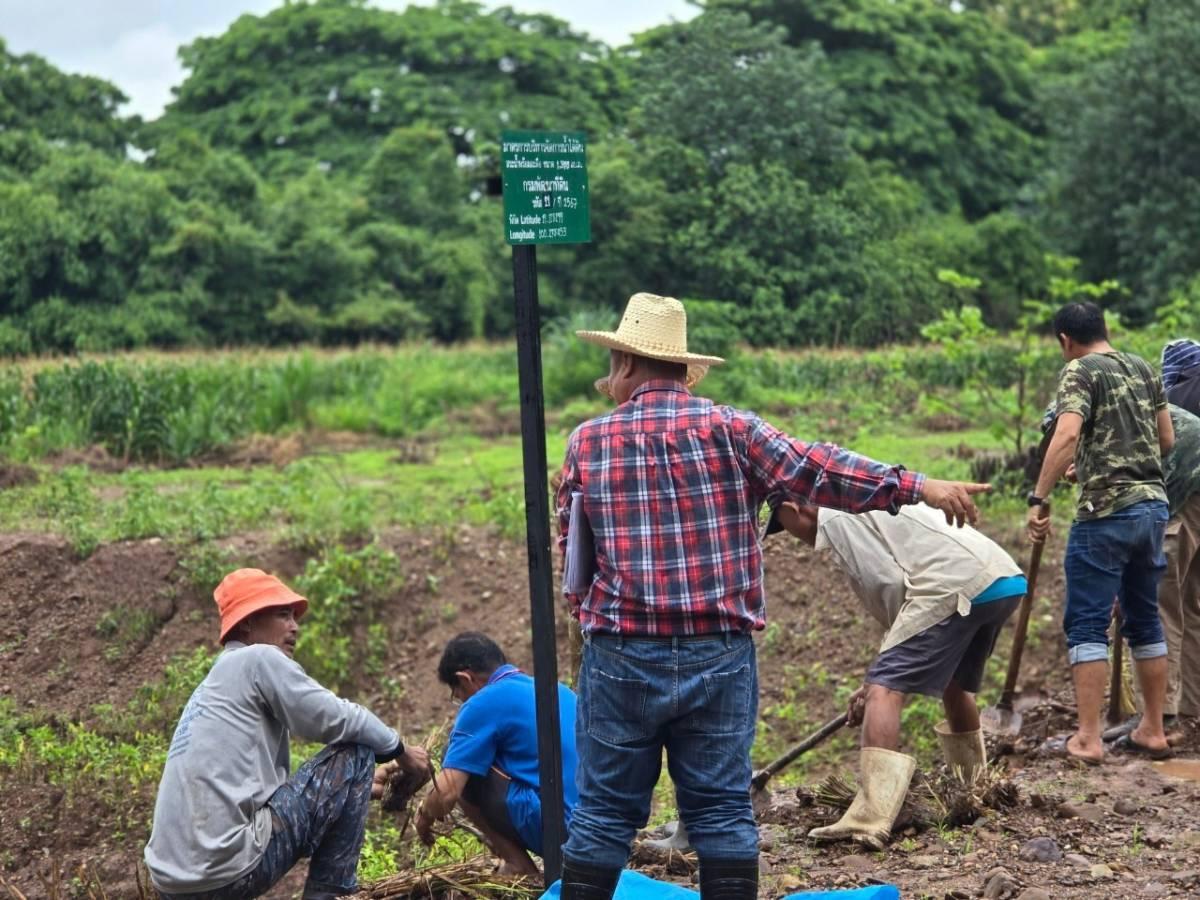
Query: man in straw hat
x=228 y=821
x=672 y=485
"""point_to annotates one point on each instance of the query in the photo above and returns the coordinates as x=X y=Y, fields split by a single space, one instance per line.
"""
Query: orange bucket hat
x=245 y=591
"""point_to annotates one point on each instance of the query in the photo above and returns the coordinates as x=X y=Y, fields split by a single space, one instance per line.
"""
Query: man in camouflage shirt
x=1179 y=590
x=1113 y=423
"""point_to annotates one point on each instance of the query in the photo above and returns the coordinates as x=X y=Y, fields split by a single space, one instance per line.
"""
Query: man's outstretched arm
x=831 y=476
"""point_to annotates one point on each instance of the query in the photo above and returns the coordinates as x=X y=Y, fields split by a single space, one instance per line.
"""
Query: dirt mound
x=95 y=457
x=255 y=450
x=16 y=475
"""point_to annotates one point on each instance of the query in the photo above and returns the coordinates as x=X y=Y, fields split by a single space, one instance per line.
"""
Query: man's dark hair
x=470 y=651
x=1081 y=322
x=662 y=368
x=659 y=367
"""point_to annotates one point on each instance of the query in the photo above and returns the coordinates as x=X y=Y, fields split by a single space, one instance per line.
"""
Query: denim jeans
x=320 y=812
x=1120 y=555
x=697 y=698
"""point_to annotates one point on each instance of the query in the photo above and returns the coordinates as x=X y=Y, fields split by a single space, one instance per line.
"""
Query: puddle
x=1187 y=769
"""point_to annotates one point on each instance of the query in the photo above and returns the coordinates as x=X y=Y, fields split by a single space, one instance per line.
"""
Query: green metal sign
x=545 y=187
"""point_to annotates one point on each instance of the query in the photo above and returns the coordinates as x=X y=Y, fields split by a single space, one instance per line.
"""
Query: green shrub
x=345 y=590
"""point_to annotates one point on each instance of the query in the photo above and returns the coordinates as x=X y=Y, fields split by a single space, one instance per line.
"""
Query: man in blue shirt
x=490 y=770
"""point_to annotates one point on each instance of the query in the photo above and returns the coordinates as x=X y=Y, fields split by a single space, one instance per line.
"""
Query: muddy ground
x=1127 y=829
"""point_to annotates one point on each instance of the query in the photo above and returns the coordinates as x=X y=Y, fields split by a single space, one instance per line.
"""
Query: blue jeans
x=320 y=812
x=1120 y=555
x=697 y=698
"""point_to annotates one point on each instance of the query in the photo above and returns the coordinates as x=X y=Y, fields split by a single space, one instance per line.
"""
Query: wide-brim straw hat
x=655 y=327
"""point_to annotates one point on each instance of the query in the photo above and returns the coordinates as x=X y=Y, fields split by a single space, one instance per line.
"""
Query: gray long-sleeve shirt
x=228 y=755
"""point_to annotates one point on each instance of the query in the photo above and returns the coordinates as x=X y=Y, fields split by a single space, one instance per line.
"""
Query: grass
x=328 y=498
x=172 y=408
x=316 y=501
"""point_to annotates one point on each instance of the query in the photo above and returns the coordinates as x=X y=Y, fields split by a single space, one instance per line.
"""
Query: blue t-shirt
x=498 y=727
x=1010 y=586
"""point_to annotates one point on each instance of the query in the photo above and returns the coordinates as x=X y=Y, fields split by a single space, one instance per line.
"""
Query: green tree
x=1128 y=200
x=738 y=93
x=326 y=81
x=944 y=95
x=194 y=171
x=412 y=177
x=35 y=96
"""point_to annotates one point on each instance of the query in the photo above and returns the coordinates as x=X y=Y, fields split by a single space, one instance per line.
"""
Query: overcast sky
x=132 y=43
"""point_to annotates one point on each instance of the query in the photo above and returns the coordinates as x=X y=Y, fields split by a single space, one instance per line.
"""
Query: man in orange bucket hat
x=228 y=821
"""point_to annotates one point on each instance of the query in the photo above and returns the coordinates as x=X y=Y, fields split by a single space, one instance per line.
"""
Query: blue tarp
x=636 y=886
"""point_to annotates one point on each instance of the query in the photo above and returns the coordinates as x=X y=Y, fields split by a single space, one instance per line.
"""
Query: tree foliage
x=945 y=96
x=804 y=171
x=35 y=96
x=328 y=80
x=1128 y=200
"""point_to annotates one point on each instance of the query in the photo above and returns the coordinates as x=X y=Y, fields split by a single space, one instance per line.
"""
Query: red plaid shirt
x=672 y=488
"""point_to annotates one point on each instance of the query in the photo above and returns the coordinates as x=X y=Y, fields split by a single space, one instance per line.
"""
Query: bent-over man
x=943 y=594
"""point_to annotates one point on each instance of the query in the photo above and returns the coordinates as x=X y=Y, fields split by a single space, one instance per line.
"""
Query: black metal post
x=537 y=530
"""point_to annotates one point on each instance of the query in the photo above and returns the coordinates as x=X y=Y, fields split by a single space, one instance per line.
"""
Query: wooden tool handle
x=1018 y=645
x=761 y=778
x=1116 y=675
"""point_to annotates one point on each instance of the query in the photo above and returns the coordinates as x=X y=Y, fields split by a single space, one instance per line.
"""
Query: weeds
x=74 y=756
x=345 y=590
x=1137 y=842
x=127 y=627
x=205 y=564
x=917 y=720
x=380 y=856
x=70 y=503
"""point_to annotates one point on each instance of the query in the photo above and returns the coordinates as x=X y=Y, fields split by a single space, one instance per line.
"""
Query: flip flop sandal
x=1127 y=744
x=1124 y=728
x=1056 y=748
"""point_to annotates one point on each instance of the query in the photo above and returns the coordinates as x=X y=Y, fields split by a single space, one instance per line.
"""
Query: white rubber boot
x=883 y=784
x=963 y=751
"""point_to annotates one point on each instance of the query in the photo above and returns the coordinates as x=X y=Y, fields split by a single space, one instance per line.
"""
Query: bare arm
x=1166 y=431
x=1061 y=452
x=1060 y=456
x=440 y=801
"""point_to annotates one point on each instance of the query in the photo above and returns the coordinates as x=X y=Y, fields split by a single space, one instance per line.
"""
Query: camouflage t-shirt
x=1117 y=460
x=1181 y=468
